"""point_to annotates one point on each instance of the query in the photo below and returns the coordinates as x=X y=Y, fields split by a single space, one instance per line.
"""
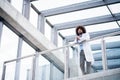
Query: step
x=113 y=74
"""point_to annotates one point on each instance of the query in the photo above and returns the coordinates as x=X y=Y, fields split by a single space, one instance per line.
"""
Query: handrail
x=46 y=51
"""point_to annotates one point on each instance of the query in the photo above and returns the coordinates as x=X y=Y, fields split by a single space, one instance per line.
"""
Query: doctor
x=84 y=49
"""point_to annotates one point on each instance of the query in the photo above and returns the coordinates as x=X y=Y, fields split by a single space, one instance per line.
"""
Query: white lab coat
x=86 y=47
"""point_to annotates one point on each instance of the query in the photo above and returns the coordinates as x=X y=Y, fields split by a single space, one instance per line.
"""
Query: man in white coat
x=84 y=49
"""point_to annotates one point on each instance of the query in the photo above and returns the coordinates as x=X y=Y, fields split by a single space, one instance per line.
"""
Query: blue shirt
x=81 y=45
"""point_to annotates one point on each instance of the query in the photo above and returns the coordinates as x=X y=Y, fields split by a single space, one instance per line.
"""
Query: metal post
x=41 y=23
x=25 y=12
x=28 y=74
x=4 y=70
x=26 y=8
x=17 y=69
x=1 y=29
x=54 y=36
x=66 y=71
x=104 y=56
x=51 y=71
x=65 y=42
x=35 y=66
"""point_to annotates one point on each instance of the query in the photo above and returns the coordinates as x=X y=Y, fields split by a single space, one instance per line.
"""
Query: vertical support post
x=17 y=68
x=35 y=66
x=28 y=74
x=4 y=70
x=26 y=8
x=25 y=12
x=54 y=36
x=41 y=28
x=41 y=23
x=64 y=42
x=66 y=68
x=66 y=64
x=104 y=56
x=1 y=29
x=51 y=71
x=74 y=53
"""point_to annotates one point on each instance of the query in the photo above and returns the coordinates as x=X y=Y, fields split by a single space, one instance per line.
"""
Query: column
x=1 y=29
x=41 y=23
x=54 y=36
x=104 y=56
x=25 y=12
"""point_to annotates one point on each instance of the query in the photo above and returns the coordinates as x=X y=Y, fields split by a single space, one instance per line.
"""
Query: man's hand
x=78 y=38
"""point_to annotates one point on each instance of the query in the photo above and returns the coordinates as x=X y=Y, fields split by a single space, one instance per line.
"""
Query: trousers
x=84 y=65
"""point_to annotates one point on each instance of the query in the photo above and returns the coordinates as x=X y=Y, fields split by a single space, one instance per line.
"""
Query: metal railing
x=66 y=55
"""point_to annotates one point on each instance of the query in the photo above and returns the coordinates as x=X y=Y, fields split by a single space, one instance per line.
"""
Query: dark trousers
x=85 y=69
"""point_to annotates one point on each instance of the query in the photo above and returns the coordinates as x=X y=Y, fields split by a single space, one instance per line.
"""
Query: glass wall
x=8 y=49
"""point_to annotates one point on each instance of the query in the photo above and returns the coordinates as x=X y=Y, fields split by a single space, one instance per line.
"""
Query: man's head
x=80 y=30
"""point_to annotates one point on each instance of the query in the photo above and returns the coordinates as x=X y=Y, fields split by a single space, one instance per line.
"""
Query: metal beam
x=35 y=9
x=33 y=0
x=78 y=6
x=89 y=21
x=94 y=34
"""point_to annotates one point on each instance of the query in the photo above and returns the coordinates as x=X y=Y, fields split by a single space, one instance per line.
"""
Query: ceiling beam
x=78 y=6
x=89 y=21
x=33 y=0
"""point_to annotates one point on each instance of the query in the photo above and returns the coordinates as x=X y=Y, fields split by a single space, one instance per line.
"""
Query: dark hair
x=80 y=27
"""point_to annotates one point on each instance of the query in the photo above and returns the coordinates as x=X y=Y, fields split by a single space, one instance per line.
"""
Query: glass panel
x=25 y=66
x=100 y=27
x=48 y=31
x=8 y=48
x=41 y=5
x=115 y=8
x=10 y=71
x=17 y=4
x=33 y=17
x=47 y=70
x=27 y=49
x=26 y=69
x=97 y=53
x=9 y=44
x=113 y=51
x=67 y=32
x=78 y=15
x=43 y=70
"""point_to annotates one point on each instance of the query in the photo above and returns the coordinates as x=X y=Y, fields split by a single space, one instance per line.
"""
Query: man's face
x=80 y=31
